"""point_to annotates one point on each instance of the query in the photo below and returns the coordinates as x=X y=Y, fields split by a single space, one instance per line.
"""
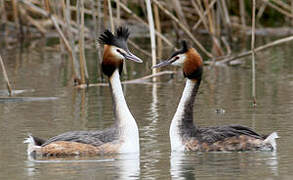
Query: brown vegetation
x=78 y=23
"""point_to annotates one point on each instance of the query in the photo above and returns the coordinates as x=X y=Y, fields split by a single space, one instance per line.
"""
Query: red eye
x=122 y=53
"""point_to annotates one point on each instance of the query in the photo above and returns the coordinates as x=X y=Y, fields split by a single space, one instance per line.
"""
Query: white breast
x=130 y=141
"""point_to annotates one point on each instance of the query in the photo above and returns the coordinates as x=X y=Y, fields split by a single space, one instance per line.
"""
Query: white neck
x=175 y=138
x=126 y=124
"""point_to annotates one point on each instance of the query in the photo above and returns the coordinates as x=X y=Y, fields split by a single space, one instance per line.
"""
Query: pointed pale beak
x=163 y=63
x=132 y=57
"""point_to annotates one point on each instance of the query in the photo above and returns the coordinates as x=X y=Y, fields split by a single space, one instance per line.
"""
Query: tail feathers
x=271 y=139
x=33 y=145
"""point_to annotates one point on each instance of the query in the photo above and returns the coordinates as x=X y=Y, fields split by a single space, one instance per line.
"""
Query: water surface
x=48 y=74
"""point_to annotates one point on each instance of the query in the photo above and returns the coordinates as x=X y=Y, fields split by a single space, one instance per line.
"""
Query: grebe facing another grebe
x=186 y=136
x=124 y=136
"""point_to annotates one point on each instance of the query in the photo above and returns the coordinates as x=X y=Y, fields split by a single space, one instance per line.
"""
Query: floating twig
x=26 y=99
x=148 y=77
x=142 y=80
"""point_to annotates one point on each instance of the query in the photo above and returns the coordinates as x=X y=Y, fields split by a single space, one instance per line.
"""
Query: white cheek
x=116 y=54
x=180 y=61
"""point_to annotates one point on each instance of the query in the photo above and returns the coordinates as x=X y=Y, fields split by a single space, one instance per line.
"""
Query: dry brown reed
x=82 y=60
x=242 y=13
x=158 y=27
x=5 y=77
x=152 y=33
x=228 y=59
x=15 y=13
x=140 y=20
x=189 y=17
x=111 y=16
x=183 y=27
x=118 y=14
x=253 y=53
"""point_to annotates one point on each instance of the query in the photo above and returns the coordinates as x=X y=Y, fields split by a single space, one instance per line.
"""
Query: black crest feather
x=107 y=38
x=122 y=33
x=184 y=46
x=119 y=40
x=184 y=49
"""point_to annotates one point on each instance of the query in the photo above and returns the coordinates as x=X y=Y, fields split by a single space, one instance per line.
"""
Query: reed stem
x=292 y=11
x=133 y=15
x=242 y=12
x=75 y=63
x=111 y=16
x=202 y=19
x=282 y=11
x=200 y=14
x=15 y=13
x=158 y=27
x=183 y=27
x=82 y=61
x=47 y=6
x=118 y=14
x=253 y=53
x=3 y=15
x=227 y=59
x=282 y=4
x=179 y=12
x=152 y=33
x=5 y=77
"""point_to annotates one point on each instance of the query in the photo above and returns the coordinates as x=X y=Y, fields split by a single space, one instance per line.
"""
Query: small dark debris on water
x=220 y=111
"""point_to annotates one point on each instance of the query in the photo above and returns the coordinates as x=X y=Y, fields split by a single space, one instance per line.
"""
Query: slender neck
x=123 y=116
x=183 y=118
x=125 y=123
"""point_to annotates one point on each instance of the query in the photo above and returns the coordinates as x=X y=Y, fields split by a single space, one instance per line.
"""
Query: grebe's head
x=116 y=50
x=187 y=58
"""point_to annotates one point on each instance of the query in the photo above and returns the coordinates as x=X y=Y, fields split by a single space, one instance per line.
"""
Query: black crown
x=122 y=34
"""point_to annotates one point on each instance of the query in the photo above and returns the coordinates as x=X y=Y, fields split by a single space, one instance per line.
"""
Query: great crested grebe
x=186 y=136
x=124 y=136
